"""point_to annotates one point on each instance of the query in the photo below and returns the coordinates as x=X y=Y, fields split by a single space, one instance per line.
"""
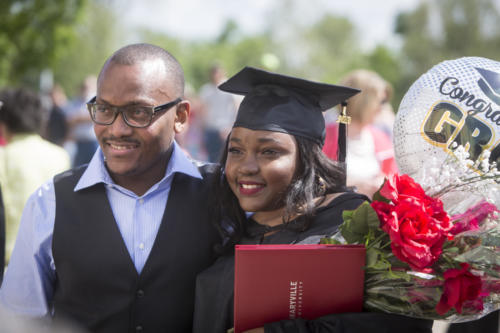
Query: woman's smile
x=250 y=188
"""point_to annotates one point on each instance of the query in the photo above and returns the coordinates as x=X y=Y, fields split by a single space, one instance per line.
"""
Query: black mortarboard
x=280 y=103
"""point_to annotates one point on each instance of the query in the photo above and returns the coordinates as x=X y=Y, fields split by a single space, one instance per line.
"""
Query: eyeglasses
x=134 y=115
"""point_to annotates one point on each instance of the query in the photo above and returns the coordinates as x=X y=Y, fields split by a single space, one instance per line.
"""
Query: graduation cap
x=280 y=103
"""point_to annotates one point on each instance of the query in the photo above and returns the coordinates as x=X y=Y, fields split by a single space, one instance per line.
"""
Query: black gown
x=214 y=286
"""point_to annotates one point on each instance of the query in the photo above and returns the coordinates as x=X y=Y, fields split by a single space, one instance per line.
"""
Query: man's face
x=137 y=152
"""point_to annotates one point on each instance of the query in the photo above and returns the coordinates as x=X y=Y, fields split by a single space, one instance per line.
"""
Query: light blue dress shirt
x=28 y=284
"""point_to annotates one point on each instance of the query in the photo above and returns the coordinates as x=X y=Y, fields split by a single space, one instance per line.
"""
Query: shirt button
x=141 y=246
x=141 y=201
x=138 y=328
x=140 y=293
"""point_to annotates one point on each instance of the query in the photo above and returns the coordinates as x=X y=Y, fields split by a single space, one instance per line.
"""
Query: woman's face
x=259 y=168
x=377 y=100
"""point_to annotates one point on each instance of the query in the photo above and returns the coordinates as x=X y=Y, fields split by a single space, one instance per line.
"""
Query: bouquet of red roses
x=423 y=261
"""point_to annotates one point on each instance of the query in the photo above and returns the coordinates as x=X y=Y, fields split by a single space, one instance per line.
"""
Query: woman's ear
x=182 y=116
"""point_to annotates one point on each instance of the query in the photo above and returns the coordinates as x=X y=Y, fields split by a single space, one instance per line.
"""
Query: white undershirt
x=361 y=161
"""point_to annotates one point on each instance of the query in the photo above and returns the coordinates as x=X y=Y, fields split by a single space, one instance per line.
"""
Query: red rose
x=416 y=223
x=460 y=285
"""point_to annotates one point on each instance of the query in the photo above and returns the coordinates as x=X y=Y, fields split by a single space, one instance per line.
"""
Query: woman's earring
x=321 y=185
x=222 y=175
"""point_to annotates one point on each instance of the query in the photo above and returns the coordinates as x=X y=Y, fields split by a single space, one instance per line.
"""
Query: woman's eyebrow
x=265 y=140
x=235 y=140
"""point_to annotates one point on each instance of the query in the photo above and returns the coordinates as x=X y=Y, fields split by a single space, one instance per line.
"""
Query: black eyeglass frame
x=119 y=109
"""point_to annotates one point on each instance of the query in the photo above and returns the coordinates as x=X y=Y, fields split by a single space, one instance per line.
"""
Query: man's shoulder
x=71 y=175
x=206 y=168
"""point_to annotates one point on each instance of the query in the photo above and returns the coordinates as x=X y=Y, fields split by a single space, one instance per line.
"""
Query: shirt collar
x=96 y=171
x=22 y=136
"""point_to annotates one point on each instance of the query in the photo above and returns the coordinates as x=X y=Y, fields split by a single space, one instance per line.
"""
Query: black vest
x=97 y=283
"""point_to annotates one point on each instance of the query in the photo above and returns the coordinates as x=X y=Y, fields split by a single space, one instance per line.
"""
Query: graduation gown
x=215 y=285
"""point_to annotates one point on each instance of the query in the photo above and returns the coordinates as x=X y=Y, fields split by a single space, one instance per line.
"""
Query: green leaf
x=347 y=214
x=397 y=275
x=371 y=257
x=358 y=223
x=378 y=197
x=371 y=216
x=366 y=216
x=326 y=240
x=453 y=249
x=381 y=265
x=351 y=231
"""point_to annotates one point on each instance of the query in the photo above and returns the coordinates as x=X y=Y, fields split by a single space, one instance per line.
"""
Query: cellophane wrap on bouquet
x=432 y=232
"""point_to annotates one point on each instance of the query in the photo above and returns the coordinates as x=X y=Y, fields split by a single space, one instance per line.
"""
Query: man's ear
x=182 y=116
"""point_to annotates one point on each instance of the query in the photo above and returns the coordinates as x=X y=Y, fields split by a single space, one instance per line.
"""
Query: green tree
x=97 y=35
x=32 y=33
x=445 y=29
x=333 y=49
x=231 y=49
x=387 y=63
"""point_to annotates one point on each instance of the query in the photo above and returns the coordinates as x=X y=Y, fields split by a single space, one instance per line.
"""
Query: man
x=2 y=237
x=27 y=160
x=79 y=125
x=114 y=254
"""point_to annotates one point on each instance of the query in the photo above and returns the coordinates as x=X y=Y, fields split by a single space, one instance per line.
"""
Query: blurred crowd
x=43 y=135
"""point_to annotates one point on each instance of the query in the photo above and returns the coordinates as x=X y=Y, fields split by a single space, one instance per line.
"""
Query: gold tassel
x=343 y=117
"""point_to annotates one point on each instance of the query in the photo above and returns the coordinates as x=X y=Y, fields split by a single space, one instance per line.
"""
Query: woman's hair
x=370 y=83
x=315 y=176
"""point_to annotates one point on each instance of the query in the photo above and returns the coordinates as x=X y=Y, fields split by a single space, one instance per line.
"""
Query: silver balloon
x=455 y=101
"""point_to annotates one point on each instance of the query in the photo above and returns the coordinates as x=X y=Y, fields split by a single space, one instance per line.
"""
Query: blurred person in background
x=80 y=126
x=57 y=128
x=219 y=111
x=370 y=154
x=27 y=160
x=2 y=230
x=2 y=140
x=2 y=236
x=384 y=120
x=191 y=139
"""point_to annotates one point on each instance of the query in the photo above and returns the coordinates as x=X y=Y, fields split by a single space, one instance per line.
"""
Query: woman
x=370 y=155
x=273 y=166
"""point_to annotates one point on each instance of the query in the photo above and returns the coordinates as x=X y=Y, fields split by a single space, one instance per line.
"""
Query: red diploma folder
x=277 y=282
